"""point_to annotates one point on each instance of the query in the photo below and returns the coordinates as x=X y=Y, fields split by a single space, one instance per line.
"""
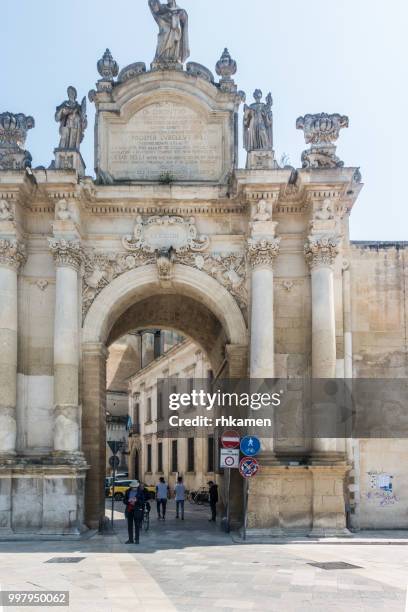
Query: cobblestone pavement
x=192 y=565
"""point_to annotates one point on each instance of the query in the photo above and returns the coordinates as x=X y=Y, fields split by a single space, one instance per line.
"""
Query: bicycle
x=146 y=517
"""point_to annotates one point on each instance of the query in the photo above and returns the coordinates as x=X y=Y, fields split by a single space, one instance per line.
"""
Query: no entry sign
x=230 y=439
x=249 y=467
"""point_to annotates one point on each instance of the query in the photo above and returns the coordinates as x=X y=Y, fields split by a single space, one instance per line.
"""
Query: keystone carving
x=167 y=232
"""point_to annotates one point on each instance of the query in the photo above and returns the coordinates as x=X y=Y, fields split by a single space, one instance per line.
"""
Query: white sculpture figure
x=325 y=212
x=63 y=213
x=263 y=212
x=172 y=44
x=6 y=212
x=73 y=121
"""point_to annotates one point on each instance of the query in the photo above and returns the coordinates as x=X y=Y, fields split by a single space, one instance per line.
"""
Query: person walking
x=162 y=493
x=213 y=492
x=134 y=501
x=180 y=493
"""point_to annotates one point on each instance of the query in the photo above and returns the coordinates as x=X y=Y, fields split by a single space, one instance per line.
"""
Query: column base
x=269 y=458
x=327 y=458
x=76 y=458
x=6 y=458
x=56 y=494
x=318 y=532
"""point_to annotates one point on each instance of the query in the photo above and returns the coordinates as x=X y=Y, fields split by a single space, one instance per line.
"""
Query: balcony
x=134 y=430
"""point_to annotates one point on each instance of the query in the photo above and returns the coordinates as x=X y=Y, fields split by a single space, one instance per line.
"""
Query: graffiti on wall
x=381 y=490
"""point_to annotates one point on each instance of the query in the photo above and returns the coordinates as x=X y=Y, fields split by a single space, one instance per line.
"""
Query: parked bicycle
x=146 y=517
x=199 y=497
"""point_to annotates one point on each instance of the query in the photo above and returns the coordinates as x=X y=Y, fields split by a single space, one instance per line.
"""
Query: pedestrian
x=213 y=493
x=180 y=492
x=162 y=492
x=134 y=502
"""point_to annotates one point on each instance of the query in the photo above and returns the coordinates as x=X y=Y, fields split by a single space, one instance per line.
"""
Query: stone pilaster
x=12 y=256
x=94 y=430
x=68 y=257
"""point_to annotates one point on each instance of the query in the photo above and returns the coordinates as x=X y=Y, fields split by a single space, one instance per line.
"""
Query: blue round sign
x=250 y=446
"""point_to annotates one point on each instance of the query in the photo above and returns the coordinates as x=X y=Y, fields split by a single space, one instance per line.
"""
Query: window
x=136 y=412
x=149 y=410
x=160 y=457
x=190 y=455
x=149 y=457
x=210 y=454
x=174 y=456
x=159 y=406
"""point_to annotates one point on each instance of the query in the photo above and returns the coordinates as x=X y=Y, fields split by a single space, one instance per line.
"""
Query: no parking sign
x=249 y=467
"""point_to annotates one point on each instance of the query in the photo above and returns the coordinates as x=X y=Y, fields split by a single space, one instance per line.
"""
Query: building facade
x=254 y=264
x=152 y=455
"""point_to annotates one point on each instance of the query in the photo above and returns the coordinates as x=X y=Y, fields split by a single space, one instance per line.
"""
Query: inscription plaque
x=166 y=139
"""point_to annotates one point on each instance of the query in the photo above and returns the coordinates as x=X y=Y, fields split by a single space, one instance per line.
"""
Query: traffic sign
x=230 y=439
x=114 y=461
x=250 y=446
x=229 y=458
x=115 y=446
x=249 y=467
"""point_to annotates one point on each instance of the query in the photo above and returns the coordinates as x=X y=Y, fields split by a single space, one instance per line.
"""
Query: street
x=193 y=565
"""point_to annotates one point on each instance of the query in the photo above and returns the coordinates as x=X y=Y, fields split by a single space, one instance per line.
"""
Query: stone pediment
x=165 y=127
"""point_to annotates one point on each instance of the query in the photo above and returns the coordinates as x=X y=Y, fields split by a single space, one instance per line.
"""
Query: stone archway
x=193 y=303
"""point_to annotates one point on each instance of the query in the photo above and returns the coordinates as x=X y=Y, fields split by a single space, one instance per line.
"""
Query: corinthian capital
x=262 y=252
x=321 y=251
x=66 y=252
x=12 y=254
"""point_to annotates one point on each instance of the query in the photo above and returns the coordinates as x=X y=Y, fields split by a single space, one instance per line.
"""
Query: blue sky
x=347 y=56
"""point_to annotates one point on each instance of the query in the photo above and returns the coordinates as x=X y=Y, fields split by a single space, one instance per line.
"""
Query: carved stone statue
x=325 y=212
x=172 y=45
x=13 y=134
x=73 y=121
x=321 y=131
x=63 y=212
x=6 y=211
x=263 y=212
x=258 y=121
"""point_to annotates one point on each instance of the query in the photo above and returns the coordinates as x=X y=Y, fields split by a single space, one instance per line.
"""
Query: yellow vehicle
x=121 y=486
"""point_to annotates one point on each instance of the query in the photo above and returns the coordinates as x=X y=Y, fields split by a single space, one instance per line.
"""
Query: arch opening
x=195 y=305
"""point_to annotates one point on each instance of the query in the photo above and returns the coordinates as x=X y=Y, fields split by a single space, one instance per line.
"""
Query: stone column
x=261 y=255
x=321 y=252
x=12 y=256
x=68 y=257
x=262 y=250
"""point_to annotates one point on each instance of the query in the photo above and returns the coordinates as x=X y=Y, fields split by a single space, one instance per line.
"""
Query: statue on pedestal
x=172 y=45
x=73 y=121
x=258 y=122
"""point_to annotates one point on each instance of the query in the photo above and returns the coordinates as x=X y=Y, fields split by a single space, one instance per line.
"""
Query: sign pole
x=113 y=489
x=229 y=500
x=246 y=490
